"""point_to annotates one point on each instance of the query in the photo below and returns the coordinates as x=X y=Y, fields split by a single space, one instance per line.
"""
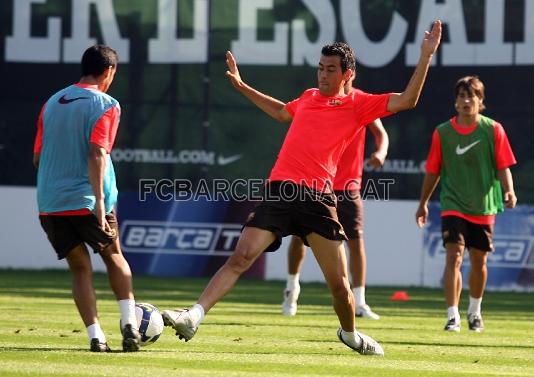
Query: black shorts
x=455 y=229
x=67 y=232
x=350 y=212
x=288 y=208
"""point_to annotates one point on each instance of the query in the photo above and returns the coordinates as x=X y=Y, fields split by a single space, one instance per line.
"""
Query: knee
x=80 y=266
x=116 y=262
x=455 y=263
x=239 y=261
x=341 y=290
x=454 y=259
x=81 y=269
x=478 y=263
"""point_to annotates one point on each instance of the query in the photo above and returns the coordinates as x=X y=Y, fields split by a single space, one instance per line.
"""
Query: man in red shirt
x=471 y=156
x=347 y=186
x=299 y=198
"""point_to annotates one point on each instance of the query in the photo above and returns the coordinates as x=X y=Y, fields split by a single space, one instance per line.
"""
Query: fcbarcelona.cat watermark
x=240 y=190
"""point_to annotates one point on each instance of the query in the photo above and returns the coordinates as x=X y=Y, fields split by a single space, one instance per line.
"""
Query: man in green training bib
x=471 y=155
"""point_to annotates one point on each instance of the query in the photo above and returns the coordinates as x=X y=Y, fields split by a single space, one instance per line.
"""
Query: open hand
x=233 y=72
x=432 y=39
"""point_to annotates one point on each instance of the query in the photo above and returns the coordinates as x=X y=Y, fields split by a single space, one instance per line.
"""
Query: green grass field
x=245 y=335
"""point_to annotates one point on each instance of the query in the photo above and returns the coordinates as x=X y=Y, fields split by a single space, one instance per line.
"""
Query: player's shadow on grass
x=292 y=325
x=433 y=344
x=39 y=349
x=62 y=349
x=206 y=350
x=276 y=324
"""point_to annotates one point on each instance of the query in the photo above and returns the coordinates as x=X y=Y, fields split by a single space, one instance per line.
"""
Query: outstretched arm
x=408 y=99
x=271 y=106
x=429 y=185
x=381 y=142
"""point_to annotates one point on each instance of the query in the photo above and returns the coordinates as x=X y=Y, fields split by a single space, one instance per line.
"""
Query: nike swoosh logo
x=221 y=160
x=460 y=151
x=65 y=101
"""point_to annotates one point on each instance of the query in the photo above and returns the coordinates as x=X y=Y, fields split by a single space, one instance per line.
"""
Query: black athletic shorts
x=288 y=208
x=455 y=229
x=67 y=232
x=350 y=212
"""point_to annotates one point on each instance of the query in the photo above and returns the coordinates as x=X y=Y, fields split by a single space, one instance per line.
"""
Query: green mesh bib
x=469 y=181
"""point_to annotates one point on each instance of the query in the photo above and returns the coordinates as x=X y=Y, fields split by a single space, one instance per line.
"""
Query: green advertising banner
x=181 y=117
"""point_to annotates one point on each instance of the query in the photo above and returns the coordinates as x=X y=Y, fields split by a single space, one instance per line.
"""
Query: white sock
x=351 y=337
x=197 y=314
x=127 y=308
x=474 y=305
x=452 y=312
x=359 y=296
x=95 y=331
x=292 y=282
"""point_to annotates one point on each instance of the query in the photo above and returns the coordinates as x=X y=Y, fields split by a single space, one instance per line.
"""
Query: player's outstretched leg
x=252 y=242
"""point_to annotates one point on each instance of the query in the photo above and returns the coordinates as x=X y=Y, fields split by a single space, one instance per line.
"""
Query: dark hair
x=343 y=50
x=473 y=86
x=97 y=58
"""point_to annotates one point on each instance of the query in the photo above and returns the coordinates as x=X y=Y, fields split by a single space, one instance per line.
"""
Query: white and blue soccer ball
x=150 y=322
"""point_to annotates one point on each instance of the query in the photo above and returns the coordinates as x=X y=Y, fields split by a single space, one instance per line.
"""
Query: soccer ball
x=149 y=321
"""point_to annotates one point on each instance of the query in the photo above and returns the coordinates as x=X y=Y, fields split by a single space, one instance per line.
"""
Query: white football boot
x=289 y=306
x=368 y=345
x=364 y=311
x=181 y=321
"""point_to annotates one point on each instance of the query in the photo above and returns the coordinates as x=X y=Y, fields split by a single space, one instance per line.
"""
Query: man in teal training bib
x=76 y=190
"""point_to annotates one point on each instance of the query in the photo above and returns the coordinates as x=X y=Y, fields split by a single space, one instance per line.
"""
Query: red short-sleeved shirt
x=350 y=167
x=321 y=130
x=504 y=158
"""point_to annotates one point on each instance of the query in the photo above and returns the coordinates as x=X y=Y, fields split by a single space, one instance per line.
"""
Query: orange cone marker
x=400 y=296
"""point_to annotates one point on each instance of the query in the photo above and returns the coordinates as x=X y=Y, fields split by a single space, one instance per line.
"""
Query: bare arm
x=408 y=99
x=429 y=185
x=97 y=167
x=271 y=106
x=381 y=142
x=36 y=158
x=38 y=139
x=507 y=183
